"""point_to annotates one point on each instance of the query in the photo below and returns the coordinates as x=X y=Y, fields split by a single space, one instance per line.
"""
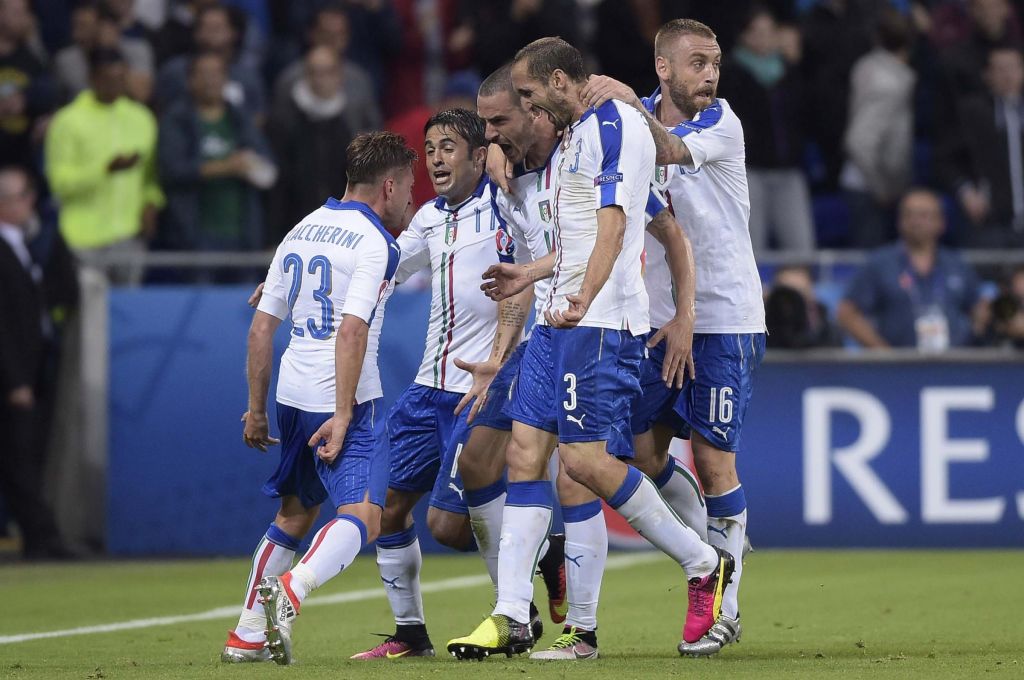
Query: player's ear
x=480 y=156
x=661 y=67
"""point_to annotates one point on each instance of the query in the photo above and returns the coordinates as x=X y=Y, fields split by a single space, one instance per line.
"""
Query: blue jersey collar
x=441 y=203
x=334 y=204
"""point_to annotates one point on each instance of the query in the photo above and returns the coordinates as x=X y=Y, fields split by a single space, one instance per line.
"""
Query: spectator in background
x=417 y=74
x=175 y=38
x=100 y=161
x=376 y=35
x=215 y=31
x=988 y=24
x=92 y=28
x=1007 y=328
x=982 y=159
x=213 y=162
x=494 y=31
x=879 y=136
x=795 y=318
x=307 y=134
x=836 y=33
x=23 y=319
x=765 y=92
x=330 y=30
x=26 y=92
x=914 y=293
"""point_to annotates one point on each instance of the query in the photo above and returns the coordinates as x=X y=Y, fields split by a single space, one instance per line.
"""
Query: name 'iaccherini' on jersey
x=457 y=244
x=338 y=260
x=711 y=202
x=594 y=172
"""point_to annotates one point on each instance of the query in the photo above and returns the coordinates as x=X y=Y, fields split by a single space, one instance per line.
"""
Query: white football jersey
x=338 y=260
x=607 y=159
x=711 y=202
x=457 y=244
x=657 y=275
x=527 y=220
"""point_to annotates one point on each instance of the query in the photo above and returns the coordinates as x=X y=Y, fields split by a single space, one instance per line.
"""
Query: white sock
x=485 y=511
x=334 y=547
x=680 y=490
x=727 y=529
x=399 y=560
x=273 y=557
x=646 y=511
x=586 y=549
x=524 y=530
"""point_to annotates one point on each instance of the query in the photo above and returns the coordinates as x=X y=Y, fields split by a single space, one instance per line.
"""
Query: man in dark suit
x=23 y=330
x=982 y=159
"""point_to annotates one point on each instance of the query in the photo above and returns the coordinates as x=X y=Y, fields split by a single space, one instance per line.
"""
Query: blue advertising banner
x=833 y=454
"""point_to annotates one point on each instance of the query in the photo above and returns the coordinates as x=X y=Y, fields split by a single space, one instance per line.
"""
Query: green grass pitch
x=821 y=614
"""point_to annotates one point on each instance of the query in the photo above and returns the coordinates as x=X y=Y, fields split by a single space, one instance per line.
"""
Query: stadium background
x=844 y=448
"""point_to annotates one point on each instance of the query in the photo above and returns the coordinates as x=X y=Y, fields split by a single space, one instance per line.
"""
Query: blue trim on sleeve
x=727 y=505
x=609 y=124
x=655 y=204
x=707 y=118
x=580 y=513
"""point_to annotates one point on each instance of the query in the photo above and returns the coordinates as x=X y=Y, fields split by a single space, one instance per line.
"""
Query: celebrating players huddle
x=624 y=221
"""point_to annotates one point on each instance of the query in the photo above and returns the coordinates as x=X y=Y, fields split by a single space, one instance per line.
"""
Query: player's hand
x=571 y=317
x=678 y=364
x=257 y=295
x=327 y=440
x=256 y=434
x=483 y=375
x=504 y=280
x=600 y=89
x=498 y=168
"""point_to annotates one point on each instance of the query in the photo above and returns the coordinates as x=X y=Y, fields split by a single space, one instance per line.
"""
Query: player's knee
x=651 y=463
x=577 y=467
x=450 y=529
x=523 y=463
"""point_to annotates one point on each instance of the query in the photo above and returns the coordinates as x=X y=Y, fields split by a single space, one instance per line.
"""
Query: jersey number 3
x=293 y=264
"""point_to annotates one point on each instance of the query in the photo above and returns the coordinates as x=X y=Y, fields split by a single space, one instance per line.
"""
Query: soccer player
x=581 y=368
x=529 y=139
x=332 y=275
x=454 y=237
x=701 y=135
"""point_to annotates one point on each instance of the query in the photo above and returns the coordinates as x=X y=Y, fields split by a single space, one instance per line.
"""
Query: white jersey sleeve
x=369 y=281
x=415 y=249
x=275 y=295
x=711 y=136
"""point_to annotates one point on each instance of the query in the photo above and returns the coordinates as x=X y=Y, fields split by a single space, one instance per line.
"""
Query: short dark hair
x=371 y=155
x=677 y=28
x=462 y=122
x=546 y=55
x=893 y=31
x=104 y=56
x=330 y=7
x=499 y=81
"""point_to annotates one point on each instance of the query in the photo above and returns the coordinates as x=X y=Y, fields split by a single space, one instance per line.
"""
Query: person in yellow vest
x=100 y=162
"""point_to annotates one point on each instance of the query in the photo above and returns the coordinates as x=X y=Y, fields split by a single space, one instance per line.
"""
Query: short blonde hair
x=677 y=28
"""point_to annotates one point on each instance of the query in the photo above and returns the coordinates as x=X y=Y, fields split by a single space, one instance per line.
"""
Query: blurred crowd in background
x=889 y=127
x=214 y=125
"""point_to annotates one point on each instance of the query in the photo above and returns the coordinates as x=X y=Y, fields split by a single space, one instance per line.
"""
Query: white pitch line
x=458 y=583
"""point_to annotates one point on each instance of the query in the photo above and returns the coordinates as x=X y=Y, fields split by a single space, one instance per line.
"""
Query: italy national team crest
x=545 y=210
x=451 y=230
x=660 y=174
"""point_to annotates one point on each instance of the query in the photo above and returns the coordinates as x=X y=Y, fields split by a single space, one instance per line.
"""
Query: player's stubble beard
x=685 y=100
